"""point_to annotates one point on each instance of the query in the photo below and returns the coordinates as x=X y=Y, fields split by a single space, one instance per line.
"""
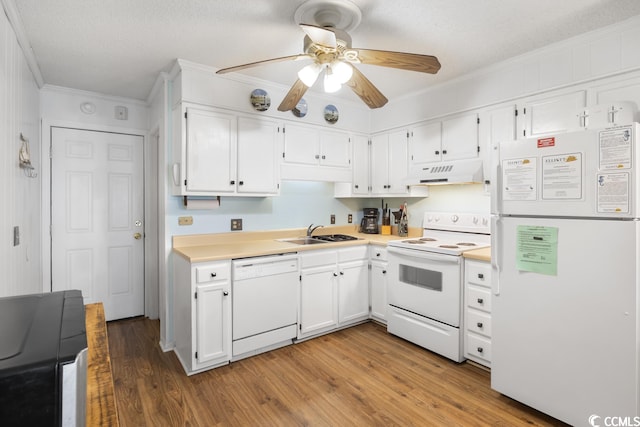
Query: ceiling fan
x=329 y=49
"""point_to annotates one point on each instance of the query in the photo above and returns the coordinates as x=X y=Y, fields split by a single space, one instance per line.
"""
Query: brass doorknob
x=137 y=236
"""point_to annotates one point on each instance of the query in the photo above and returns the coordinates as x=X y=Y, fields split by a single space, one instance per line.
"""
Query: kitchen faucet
x=311 y=229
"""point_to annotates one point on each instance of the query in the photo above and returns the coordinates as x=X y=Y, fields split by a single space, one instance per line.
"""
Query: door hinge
x=196 y=354
x=300 y=326
x=300 y=279
x=478 y=120
x=478 y=148
x=524 y=110
x=283 y=154
x=516 y=111
x=185 y=182
x=195 y=295
x=524 y=132
x=185 y=114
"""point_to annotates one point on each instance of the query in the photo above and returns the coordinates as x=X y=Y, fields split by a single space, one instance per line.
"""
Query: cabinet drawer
x=479 y=273
x=354 y=253
x=211 y=272
x=479 y=298
x=479 y=322
x=479 y=347
x=318 y=258
x=377 y=253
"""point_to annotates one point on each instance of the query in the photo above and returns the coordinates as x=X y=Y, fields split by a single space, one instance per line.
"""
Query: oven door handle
x=420 y=254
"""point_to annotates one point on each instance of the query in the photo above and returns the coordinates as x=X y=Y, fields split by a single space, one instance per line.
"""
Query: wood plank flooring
x=361 y=376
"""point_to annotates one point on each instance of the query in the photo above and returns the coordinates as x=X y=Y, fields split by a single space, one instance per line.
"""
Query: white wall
x=20 y=266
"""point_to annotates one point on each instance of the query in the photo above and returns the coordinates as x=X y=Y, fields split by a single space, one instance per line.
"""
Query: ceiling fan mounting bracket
x=339 y=14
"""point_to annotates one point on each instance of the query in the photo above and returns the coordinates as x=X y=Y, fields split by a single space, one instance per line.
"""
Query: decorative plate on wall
x=300 y=110
x=260 y=100
x=331 y=114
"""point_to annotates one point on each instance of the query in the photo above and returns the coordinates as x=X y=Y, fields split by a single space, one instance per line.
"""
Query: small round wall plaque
x=300 y=110
x=260 y=100
x=331 y=114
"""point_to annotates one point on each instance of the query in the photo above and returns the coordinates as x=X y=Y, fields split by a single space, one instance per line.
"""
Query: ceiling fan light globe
x=309 y=74
x=342 y=71
x=331 y=83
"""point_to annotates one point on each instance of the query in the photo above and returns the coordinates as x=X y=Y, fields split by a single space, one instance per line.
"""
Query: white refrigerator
x=565 y=256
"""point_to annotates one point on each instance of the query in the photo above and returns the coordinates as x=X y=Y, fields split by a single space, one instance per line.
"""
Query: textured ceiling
x=118 y=47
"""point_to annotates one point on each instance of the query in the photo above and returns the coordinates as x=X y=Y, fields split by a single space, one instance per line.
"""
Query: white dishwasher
x=265 y=303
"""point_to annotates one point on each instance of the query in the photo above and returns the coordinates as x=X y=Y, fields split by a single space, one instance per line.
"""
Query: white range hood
x=448 y=172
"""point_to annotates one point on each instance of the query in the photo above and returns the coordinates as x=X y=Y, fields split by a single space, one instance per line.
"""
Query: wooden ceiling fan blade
x=266 y=61
x=366 y=90
x=401 y=60
x=294 y=96
x=320 y=35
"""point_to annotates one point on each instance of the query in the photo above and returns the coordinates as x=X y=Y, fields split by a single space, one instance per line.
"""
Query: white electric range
x=426 y=277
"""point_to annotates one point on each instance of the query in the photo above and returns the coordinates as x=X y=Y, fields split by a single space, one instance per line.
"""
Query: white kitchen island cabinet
x=334 y=290
x=202 y=314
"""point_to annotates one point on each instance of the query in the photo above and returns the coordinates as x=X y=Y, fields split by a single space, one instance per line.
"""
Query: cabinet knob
x=356 y=186
x=444 y=151
x=214 y=274
x=480 y=350
x=437 y=152
x=342 y=273
x=480 y=300
x=240 y=182
x=317 y=156
x=480 y=276
x=384 y=271
x=324 y=157
x=225 y=293
x=335 y=274
x=232 y=182
x=479 y=324
x=378 y=254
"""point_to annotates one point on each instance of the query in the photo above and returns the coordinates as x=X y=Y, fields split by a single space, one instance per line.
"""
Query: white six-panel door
x=97 y=218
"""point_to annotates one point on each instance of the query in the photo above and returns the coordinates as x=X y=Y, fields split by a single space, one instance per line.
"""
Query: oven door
x=426 y=283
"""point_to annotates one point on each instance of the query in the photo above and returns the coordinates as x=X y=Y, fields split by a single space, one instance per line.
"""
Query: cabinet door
x=318 y=300
x=425 y=144
x=379 y=290
x=258 y=151
x=360 y=182
x=335 y=149
x=460 y=137
x=496 y=125
x=398 y=163
x=301 y=145
x=213 y=326
x=210 y=152
x=559 y=113
x=379 y=163
x=353 y=291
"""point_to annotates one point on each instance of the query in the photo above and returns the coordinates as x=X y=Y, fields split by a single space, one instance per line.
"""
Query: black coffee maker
x=369 y=223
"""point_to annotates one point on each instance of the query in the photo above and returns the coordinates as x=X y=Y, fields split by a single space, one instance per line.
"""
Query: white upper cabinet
x=217 y=153
x=210 y=152
x=361 y=165
x=551 y=114
x=315 y=153
x=460 y=137
x=496 y=125
x=389 y=163
x=259 y=148
x=454 y=138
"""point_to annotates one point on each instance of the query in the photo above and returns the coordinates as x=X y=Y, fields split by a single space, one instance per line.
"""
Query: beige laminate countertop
x=483 y=254
x=222 y=246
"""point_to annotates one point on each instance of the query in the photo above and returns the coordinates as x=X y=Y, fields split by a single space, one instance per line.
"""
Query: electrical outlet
x=185 y=220
x=236 y=224
x=333 y=219
x=16 y=235
x=350 y=218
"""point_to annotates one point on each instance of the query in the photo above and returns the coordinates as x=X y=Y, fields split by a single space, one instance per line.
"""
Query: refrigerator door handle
x=496 y=254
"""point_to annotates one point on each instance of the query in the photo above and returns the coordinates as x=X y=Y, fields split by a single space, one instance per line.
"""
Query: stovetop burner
x=466 y=244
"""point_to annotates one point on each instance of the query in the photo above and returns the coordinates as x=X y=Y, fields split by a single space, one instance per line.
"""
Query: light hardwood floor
x=361 y=376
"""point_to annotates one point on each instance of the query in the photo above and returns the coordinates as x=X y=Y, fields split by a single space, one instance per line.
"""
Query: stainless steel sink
x=302 y=241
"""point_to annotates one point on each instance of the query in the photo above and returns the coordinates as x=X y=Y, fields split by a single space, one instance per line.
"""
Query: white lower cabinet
x=334 y=289
x=477 y=313
x=378 y=279
x=202 y=314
